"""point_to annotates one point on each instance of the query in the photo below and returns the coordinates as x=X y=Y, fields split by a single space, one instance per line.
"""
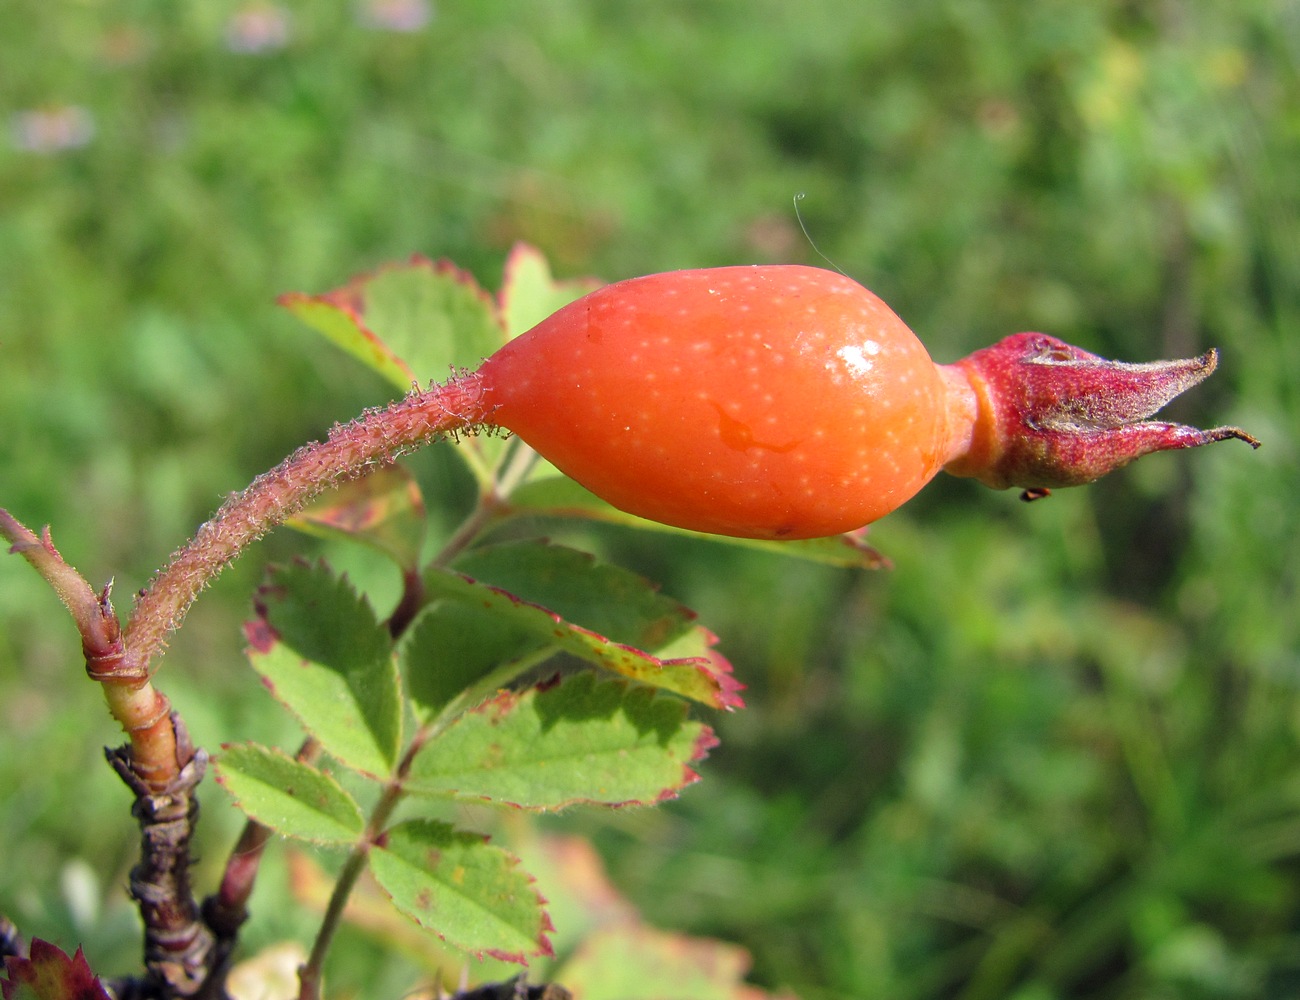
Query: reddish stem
x=378 y=436
x=143 y=712
x=101 y=635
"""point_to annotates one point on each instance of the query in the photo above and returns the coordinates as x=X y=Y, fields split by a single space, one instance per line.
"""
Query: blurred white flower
x=271 y=974
x=396 y=15
x=258 y=28
x=52 y=129
x=81 y=892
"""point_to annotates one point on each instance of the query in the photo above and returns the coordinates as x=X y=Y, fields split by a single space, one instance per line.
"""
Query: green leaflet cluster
x=325 y=656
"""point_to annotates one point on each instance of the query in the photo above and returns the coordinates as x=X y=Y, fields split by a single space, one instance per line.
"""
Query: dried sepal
x=1054 y=415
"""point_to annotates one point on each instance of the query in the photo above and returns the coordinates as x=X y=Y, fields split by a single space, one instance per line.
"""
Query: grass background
x=1053 y=753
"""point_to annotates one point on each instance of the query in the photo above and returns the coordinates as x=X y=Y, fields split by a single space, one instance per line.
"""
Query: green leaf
x=468 y=892
x=620 y=604
x=433 y=315
x=560 y=496
x=523 y=585
x=576 y=741
x=320 y=650
x=528 y=292
x=410 y=322
x=289 y=796
x=383 y=509
x=333 y=315
x=452 y=645
x=370 y=910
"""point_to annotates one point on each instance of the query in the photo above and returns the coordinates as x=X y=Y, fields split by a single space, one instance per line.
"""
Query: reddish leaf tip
x=260 y=634
x=705 y=742
x=48 y=973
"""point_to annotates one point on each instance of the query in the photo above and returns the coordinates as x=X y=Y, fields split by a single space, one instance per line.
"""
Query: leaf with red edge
x=556 y=745
x=370 y=910
x=601 y=613
x=331 y=314
x=529 y=293
x=410 y=322
x=384 y=510
x=470 y=893
x=49 y=974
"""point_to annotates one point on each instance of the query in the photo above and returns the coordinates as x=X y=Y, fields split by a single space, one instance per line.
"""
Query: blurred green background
x=1055 y=752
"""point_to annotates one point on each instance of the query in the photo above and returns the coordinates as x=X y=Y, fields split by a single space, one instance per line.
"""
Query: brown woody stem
x=177 y=945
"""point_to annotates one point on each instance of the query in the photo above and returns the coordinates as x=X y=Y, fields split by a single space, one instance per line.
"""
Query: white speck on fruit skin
x=858 y=356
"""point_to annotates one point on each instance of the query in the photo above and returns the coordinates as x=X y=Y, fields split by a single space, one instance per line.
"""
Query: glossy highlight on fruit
x=767 y=401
